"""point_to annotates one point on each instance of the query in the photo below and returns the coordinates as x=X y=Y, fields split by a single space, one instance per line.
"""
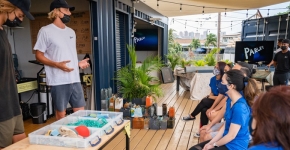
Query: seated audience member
x=234 y=134
x=215 y=107
x=209 y=100
x=271 y=113
x=209 y=131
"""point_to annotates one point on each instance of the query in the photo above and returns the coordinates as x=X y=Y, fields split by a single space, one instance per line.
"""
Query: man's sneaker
x=186 y=118
x=196 y=135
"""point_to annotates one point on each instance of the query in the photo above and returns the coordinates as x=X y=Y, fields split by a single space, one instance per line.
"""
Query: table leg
x=127 y=130
x=127 y=142
x=177 y=82
x=263 y=85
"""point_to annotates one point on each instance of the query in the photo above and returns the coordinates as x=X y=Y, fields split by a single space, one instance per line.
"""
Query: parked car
x=200 y=50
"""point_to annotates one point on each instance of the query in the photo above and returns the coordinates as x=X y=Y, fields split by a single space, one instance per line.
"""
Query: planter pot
x=199 y=69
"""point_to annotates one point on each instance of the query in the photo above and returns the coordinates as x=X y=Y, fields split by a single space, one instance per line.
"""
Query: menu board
x=80 y=23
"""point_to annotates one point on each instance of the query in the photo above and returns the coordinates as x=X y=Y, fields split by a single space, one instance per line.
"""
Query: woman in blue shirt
x=272 y=116
x=234 y=134
x=209 y=100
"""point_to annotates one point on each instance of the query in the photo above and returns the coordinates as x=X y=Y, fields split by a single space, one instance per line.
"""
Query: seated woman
x=271 y=113
x=209 y=100
x=219 y=104
x=209 y=131
x=234 y=133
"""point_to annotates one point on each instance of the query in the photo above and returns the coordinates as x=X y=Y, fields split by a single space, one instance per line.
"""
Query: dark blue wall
x=103 y=13
x=103 y=29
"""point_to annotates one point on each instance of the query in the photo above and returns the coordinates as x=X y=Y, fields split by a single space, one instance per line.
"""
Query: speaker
x=25 y=111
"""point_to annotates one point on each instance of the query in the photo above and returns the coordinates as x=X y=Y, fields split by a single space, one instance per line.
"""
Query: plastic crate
x=115 y=117
x=70 y=120
x=38 y=137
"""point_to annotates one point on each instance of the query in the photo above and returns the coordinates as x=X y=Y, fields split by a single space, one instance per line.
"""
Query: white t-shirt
x=58 y=45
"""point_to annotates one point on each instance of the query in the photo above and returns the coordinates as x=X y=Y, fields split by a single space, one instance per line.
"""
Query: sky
x=236 y=17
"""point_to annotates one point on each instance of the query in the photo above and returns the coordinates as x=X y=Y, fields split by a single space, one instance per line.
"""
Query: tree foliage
x=286 y=12
x=195 y=43
x=211 y=39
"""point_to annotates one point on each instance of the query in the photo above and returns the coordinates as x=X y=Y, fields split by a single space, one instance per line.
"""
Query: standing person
x=234 y=133
x=271 y=112
x=282 y=64
x=56 y=49
x=276 y=51
x=12 y=13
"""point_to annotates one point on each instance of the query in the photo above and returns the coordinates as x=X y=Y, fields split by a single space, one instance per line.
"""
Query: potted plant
x=174 y=60
x=135 y=82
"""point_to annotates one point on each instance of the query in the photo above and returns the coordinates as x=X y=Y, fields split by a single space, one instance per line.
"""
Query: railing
x=197 y=57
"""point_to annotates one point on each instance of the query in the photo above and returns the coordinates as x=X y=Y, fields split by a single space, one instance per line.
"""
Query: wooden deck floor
x=180 y=137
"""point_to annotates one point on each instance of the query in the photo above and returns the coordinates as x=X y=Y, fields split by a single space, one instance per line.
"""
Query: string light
x=225 y=12
x=173 y=20
x=247 y=13
x=201 y=24
x=207 y=28
x=157 y=3
x=215 y=24
x=185 y=23
x=268 y=12
x=231 y=25
x=165 y=1
x=180 y=7
x=203 y=10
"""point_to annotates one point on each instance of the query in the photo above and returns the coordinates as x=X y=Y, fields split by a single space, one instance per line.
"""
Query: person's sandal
x=187 y=118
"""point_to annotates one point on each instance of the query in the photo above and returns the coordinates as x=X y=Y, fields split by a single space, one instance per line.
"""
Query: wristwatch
x=214 y=145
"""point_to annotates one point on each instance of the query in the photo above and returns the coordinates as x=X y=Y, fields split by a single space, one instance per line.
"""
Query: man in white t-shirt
x=56 y=49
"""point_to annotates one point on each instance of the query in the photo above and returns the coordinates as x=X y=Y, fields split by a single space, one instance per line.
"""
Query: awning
x=173 y=8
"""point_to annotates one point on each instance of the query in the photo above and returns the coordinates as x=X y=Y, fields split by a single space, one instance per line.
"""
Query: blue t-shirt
x=265 y=147
x=239 y=114
x=213 y=85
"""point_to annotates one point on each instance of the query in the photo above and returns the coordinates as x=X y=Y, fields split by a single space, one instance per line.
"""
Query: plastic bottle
x=171 y=113
x=112 y=103
x=148 y=101
x=164 y=109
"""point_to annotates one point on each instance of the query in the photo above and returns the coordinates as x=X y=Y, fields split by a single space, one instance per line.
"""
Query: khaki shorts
x=9 y=128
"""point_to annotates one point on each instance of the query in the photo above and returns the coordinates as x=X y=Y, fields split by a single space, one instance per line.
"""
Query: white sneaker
x=196 y=135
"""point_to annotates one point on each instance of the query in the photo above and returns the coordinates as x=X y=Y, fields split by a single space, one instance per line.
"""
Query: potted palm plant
x=135 y=82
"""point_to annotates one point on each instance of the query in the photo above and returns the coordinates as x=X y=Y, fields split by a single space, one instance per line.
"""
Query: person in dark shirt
x=282 y=63
x=12 y=13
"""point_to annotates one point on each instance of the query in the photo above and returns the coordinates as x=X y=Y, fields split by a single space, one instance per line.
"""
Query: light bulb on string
x=225 y=12
x=247 y=13
x=201 y=24
x=268 y=12
x=157 y=3
x=180 y=7
x=215 y=24
x=185 y=24
x=173 y=20
x=203 y=10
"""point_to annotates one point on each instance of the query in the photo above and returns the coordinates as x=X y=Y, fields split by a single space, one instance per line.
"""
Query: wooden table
x=106 y=139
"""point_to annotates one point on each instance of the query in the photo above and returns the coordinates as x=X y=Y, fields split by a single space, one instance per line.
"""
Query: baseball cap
x=24 y=6
x=60 y=4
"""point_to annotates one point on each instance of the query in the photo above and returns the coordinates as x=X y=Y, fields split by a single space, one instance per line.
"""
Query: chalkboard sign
x=80 y=23
x=167 y=76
